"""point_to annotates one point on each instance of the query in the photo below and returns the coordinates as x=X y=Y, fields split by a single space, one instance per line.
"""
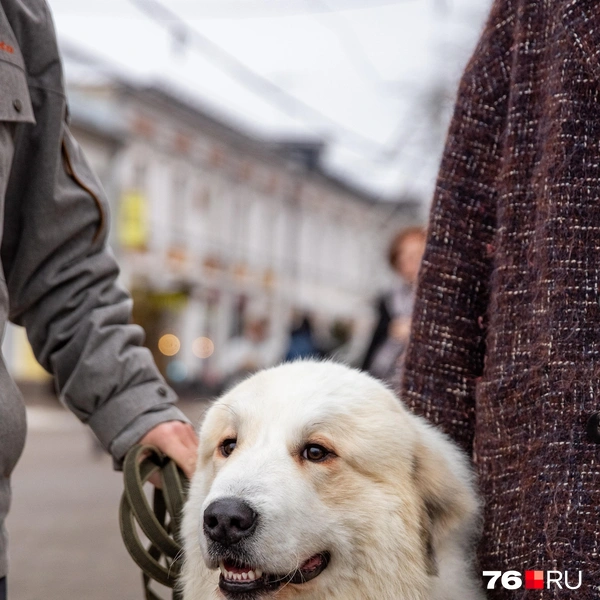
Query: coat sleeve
x=60 y=274
x=447 y=348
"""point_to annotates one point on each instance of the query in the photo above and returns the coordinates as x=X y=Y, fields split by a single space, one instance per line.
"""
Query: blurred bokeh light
x=169 y=344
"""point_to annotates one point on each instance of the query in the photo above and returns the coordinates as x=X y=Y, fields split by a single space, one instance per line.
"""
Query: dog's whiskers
x=177 y=557
x=288 y=576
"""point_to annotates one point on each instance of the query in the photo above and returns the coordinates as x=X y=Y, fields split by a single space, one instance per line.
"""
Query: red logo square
x=534 y=580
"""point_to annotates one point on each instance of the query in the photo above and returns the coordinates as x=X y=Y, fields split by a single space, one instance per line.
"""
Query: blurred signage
x=133 y=220
x=168 y=300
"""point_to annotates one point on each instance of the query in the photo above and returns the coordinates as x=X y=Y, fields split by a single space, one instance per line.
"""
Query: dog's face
x=308 y=477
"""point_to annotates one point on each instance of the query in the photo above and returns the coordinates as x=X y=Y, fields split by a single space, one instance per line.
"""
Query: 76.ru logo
x=534 y=580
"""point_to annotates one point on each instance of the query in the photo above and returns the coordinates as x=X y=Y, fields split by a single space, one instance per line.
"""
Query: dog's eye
x=227 y=447
x=315 y=453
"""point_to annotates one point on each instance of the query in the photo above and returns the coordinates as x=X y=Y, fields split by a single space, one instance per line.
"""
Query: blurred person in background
x=394 y=309
x=257 y=348
x=340 y=344
x=59 y=276
x=505 y=344
x=301 y=342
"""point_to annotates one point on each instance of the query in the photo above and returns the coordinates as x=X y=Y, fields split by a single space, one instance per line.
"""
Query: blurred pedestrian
x=301 y=342
x=394 y=308
x=341 y=345
x=257 y=347
x=505 y=346
x=59 y=276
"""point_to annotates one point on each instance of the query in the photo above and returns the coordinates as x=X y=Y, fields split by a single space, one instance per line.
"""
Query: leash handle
x=160 y=523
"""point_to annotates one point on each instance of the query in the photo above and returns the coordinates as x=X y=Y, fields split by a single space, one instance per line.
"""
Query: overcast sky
x=365 y=73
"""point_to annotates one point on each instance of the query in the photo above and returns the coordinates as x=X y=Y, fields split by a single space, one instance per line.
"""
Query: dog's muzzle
x=228 y=523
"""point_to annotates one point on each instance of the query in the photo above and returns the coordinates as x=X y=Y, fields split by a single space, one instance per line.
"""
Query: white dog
x=313 y=482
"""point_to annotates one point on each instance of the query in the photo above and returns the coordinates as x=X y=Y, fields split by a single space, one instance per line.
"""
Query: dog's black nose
x=228 y=521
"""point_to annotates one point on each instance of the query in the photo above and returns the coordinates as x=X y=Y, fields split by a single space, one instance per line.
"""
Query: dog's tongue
x=312 y=563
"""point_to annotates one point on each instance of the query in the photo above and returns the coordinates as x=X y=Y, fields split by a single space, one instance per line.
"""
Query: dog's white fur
x=396 y=508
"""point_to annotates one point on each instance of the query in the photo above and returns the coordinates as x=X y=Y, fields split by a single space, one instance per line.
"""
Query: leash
x=160 y=523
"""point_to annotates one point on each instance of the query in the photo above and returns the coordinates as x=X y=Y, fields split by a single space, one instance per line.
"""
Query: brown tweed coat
x=505 y=351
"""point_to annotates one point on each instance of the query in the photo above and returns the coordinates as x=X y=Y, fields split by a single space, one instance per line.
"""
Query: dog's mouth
x=239 y=578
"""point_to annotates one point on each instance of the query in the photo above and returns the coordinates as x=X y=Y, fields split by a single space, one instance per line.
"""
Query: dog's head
x=312 y=478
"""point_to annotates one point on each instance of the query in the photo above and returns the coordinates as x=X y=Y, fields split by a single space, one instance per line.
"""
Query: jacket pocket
x=15 y=103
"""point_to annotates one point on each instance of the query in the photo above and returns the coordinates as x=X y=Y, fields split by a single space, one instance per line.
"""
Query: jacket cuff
x=139 y=427
x=116 y=414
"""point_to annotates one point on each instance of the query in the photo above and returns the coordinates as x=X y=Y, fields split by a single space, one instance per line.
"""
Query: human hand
x=178 y=441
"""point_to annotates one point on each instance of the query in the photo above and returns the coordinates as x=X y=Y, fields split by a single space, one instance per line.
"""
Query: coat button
x=593 y=428
x=163 y=392
x=18 y=105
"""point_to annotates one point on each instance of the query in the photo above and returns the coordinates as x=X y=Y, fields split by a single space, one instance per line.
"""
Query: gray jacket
x=59 y=277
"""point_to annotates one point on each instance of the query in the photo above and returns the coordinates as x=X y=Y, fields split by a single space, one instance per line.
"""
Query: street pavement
x=65 y=542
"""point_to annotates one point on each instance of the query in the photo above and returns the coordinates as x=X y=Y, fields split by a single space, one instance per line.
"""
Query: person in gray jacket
x=58 y=276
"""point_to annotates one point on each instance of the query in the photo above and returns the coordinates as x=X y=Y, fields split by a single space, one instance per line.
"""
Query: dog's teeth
x=227 y=574
x=243 y=576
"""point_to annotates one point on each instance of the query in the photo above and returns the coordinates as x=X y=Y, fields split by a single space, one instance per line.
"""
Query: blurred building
x=211 y=224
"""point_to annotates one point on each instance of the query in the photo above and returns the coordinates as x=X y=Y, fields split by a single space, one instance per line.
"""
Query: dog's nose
x=228 y=521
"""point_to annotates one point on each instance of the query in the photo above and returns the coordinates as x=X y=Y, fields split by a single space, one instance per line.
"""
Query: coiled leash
x=161 y=560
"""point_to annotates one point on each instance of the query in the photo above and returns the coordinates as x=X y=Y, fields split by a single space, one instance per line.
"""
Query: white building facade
x=210 y=224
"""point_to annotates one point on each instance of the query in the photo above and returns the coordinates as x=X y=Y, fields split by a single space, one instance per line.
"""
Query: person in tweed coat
x=505 y=348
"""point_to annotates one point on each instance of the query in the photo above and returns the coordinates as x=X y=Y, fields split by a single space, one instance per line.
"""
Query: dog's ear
x=450 y=505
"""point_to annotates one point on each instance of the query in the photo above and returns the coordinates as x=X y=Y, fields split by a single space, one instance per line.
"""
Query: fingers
x=155 y=480
x=178 y=441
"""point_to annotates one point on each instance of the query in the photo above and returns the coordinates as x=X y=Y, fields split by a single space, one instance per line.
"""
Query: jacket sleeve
x=446 y=352
x=60 y=274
